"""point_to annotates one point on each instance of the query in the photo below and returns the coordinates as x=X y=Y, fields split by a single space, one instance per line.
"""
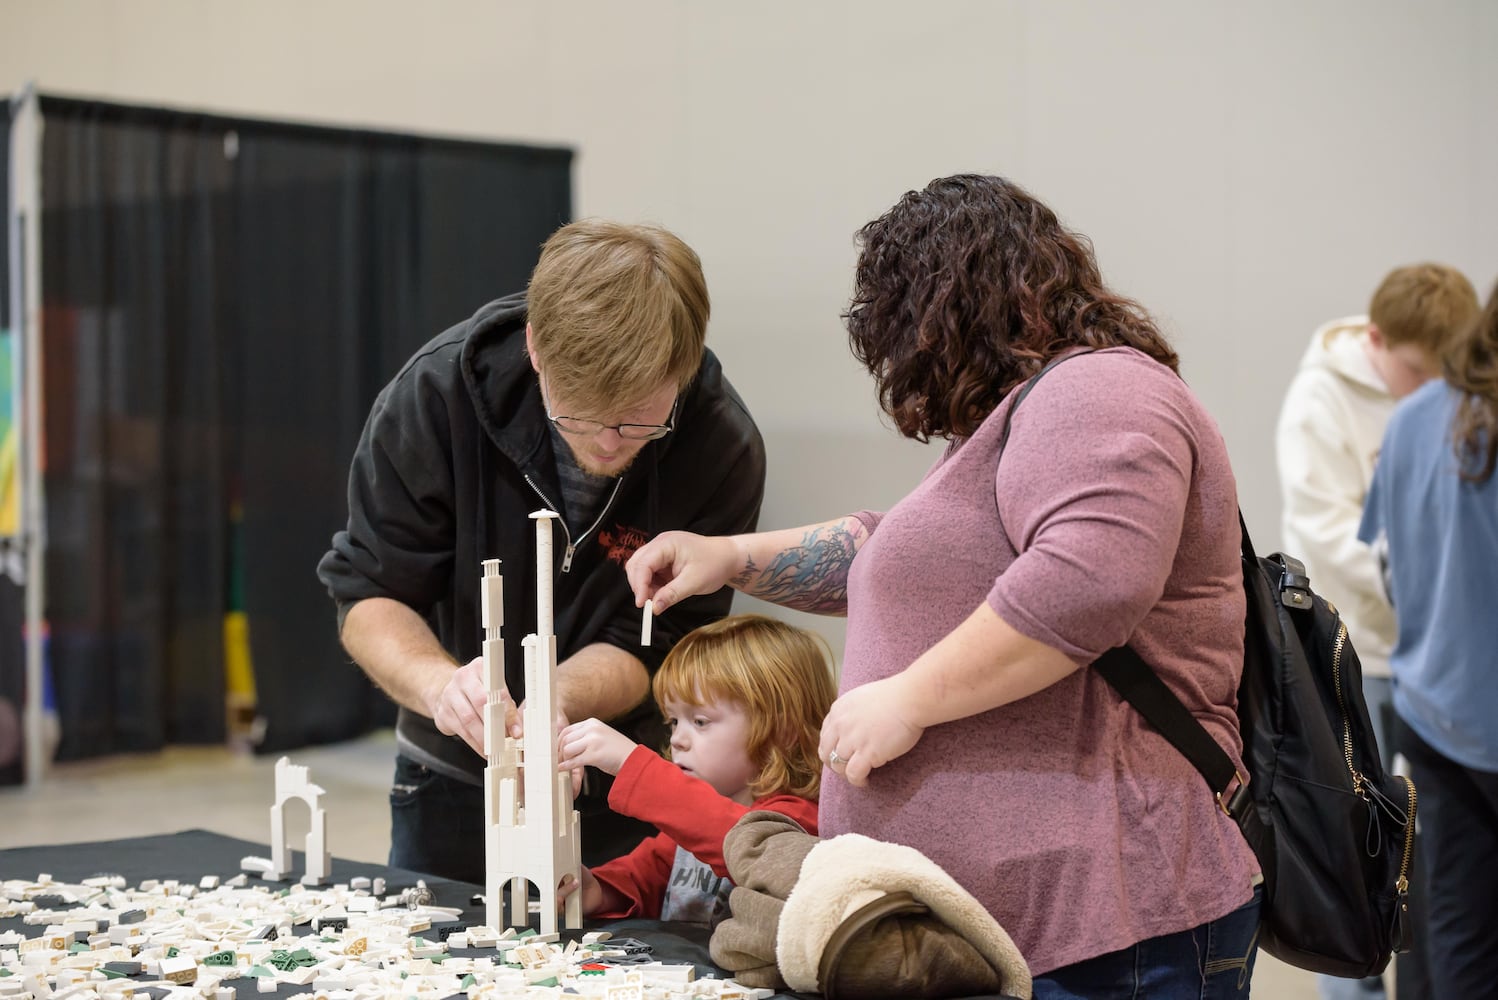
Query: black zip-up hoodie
x=455 y=456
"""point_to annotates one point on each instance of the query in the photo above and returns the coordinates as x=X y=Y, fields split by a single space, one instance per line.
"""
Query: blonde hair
x=1427 y=305
x=780 y=674
x=616 y=311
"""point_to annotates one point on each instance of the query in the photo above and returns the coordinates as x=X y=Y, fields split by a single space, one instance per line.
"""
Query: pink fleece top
x=1112 y=519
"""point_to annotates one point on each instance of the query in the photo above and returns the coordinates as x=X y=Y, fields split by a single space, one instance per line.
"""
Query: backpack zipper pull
x=1402 y=935
x=567 y=557
x=1375 y=841
x=1390 y=808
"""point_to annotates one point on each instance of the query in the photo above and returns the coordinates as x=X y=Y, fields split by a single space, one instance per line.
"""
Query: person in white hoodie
x=1330 y=428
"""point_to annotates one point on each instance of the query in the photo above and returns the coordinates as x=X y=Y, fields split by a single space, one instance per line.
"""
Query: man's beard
x=584 y=462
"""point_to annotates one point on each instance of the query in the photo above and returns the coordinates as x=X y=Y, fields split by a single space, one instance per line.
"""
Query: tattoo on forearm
x=750 y=570
x=813 y=576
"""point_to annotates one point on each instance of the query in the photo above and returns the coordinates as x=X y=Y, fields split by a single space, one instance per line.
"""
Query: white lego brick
x=181 y=969
x=105 y=882
x=666 y=975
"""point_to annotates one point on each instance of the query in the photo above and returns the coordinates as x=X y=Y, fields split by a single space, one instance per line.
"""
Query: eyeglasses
x=589 y=428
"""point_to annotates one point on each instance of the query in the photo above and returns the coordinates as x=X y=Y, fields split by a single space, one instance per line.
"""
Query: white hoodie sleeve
x=1323 y=480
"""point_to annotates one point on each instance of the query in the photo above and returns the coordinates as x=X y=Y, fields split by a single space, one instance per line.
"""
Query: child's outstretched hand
x=594 y=744
x=594 y=896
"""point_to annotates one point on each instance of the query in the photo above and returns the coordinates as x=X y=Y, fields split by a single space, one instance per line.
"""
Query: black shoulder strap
x=1024 y=391
x=1139 y=685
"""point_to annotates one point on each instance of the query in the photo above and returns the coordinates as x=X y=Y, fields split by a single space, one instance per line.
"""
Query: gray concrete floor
x=207 y=788
x=213 y=788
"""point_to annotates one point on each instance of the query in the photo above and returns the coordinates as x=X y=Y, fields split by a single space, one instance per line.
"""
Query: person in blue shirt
x=1432 y=515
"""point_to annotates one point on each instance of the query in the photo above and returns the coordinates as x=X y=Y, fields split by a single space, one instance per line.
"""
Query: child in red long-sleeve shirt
x=744 y=698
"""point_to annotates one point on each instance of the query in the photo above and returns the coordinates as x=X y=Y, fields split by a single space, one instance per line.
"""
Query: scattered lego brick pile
x=168 y=940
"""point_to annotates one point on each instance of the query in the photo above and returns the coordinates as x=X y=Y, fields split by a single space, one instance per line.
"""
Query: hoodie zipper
x=571 y=545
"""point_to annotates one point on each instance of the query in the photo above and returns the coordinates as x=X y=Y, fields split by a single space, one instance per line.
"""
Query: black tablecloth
x=192 y=854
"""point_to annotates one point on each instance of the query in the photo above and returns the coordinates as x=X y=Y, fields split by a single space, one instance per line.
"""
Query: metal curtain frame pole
x=25 y=321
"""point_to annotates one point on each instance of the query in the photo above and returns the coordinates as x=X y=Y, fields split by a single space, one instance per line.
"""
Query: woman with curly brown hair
x=968 y=725
x=1432 y=514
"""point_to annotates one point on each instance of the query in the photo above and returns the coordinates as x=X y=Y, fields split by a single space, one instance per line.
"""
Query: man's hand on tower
x=459 y=709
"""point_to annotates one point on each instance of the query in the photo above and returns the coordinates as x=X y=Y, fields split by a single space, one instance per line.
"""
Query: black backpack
x=1333 y=831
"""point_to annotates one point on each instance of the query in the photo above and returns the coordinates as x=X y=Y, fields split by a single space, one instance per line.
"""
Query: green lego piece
x=172 y=952
x=550 y=981
x=220 y=958
x=260 y=971
x=467 y=982
x=108 y=974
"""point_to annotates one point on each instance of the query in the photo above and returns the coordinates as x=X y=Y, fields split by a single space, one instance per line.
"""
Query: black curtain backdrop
x=12 y=597
x=223 y=299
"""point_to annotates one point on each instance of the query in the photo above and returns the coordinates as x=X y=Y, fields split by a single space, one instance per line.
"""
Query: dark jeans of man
x=437 y=826
x=1411 y=977
x=1458 y=819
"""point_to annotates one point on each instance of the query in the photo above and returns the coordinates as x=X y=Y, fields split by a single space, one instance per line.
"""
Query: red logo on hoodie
x=622 y=542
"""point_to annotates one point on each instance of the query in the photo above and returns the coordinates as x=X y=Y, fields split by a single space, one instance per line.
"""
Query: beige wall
x=1247 y=171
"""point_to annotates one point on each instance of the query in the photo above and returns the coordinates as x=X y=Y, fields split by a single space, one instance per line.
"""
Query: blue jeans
x=1211 y=962
x=437 y=825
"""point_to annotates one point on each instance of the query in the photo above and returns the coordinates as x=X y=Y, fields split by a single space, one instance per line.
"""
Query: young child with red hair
x=744 y=698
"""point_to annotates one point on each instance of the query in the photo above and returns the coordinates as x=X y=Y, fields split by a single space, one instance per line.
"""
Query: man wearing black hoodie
x=591 y=394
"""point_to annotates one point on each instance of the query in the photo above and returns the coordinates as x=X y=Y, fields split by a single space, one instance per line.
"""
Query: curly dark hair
x=1473 y=371
x=967 y=288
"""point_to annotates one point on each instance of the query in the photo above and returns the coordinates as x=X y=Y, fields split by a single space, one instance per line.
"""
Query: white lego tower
x=531 y=830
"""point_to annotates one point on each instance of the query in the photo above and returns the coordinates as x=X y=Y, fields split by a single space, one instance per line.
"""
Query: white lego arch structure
x=292 y=783
x=531 y=831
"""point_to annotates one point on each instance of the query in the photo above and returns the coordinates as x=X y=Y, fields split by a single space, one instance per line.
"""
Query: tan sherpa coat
x=799 y=906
